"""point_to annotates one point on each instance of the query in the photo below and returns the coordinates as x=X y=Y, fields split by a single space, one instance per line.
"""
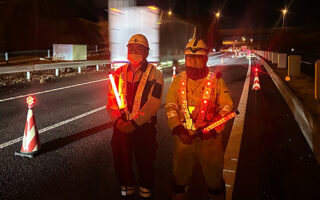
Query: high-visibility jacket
x=199 y=100
x=141 y=92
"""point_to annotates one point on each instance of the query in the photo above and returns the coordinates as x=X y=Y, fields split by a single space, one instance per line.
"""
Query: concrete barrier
x=274 y=58
x=317 y=80
x=282 y=60
x=265 y=54
x=270 y=56
x=307 y=123
x=294 y=64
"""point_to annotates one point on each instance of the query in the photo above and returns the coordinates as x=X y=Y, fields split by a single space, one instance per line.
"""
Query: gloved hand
x=183 y=134
x=212 y=133
x=125 y=126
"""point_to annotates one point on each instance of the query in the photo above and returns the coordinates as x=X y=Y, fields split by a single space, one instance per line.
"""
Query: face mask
x=195 y=62
x=135 y=58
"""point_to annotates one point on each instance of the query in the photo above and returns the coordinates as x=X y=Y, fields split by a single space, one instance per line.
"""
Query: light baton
x=115 y=90
x=219 y=122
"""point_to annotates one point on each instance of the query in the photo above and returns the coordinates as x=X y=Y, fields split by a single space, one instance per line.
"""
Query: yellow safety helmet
x=139 y=39
x=196 y=47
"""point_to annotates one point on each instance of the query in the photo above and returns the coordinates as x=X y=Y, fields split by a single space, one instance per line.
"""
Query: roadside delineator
x=30 y=143
x=173 y=72
x=256 y=82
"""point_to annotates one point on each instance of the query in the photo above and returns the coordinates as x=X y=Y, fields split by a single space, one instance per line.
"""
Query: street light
x=218 y=15
x=169 y=13
x=284 y=12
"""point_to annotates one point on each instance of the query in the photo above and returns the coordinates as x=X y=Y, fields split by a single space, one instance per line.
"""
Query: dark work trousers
x=143 y=145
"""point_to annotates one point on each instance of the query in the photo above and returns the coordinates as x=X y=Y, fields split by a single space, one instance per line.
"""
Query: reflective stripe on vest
x=137 y=98
x=188 y=124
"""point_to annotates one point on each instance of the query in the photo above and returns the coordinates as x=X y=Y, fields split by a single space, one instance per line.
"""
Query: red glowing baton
x=219 y=122
x=115 y=90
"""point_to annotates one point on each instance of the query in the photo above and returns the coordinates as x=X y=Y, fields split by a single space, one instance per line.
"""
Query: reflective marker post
x=28 y=76
x=6 y=56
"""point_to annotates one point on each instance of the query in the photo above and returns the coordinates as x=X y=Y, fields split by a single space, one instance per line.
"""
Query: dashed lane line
x=11 y=142
x=52 y=90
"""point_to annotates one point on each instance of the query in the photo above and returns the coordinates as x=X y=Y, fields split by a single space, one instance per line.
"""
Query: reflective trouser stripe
x=144 y=192
x=127 y=190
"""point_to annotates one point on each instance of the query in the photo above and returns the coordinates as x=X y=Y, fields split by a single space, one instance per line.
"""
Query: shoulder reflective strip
x=206 y=96
x=172 y=114
x=141 y=86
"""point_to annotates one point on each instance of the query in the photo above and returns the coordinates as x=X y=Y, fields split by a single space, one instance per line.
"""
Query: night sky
x=235 y=13
x=45 y=21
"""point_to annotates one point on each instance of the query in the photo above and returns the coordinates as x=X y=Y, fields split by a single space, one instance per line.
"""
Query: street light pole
x=284 y=12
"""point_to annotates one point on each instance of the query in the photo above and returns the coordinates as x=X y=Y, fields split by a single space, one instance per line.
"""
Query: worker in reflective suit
x=139 y=87
x=195 y=99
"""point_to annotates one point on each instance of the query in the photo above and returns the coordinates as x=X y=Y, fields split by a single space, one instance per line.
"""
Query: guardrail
x=40 y=67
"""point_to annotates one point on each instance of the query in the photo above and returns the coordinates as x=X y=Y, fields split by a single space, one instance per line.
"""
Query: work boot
x=217 y=194
x=127 y=192
x=179 y=196
x=144 y=193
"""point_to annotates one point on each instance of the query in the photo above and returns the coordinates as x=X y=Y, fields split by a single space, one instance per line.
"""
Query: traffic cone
x=30 y=143
x=256 y=82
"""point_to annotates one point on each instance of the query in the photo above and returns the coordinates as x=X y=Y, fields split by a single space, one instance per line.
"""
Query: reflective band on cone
x=256 y=82
x=31 y=143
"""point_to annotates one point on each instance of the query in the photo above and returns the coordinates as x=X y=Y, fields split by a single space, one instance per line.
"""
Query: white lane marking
x=52 y=90
x=54 y=126
x=233 y=147
x=229 y=170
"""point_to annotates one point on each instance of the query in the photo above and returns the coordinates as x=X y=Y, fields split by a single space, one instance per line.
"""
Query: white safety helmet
x=139 y=39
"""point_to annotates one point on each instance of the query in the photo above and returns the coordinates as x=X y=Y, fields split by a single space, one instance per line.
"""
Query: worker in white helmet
x=140 y=89
x=195 y=99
